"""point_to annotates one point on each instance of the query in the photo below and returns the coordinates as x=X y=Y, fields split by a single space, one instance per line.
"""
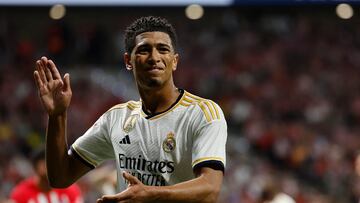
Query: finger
x=132 y=179
x=67 y=86
x=54 y=70
x=115 y=198
x=44 y=67
x=43 y=62
x=48 y=73
x=44 y=59
x=37 y=79
x=40 y=70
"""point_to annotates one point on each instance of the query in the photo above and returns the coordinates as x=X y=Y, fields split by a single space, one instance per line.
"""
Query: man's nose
x=154 y=56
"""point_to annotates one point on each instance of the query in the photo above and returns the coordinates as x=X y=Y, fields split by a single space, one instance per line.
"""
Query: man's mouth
x=154 y=69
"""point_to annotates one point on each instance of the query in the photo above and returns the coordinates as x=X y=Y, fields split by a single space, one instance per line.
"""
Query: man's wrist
x=157 y=193
x=57 y=116
x=58 y=120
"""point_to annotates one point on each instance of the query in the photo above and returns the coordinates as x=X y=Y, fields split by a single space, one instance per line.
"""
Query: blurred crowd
x=287 y=80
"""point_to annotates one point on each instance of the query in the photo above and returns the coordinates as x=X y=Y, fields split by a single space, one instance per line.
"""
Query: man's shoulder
x=132 y=105
x=208 y=108
x=23 y=188
x=26 y=183
x=192 y=98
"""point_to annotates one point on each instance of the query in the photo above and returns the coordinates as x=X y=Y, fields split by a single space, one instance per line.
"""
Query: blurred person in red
x=36 y=189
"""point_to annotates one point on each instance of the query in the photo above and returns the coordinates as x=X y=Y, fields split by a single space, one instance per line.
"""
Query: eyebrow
x=163 y=45
x=158 y=44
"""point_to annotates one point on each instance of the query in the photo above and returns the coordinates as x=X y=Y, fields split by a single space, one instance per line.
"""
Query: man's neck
x=159 y=100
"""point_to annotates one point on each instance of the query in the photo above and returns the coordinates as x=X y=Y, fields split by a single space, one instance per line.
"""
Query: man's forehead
x=153 y=37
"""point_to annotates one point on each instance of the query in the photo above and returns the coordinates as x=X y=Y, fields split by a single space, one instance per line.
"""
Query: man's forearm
x=204 y=188
x=56 y=151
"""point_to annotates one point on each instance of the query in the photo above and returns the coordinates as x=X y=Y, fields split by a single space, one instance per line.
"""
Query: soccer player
x=169 y=146
x=36 y=189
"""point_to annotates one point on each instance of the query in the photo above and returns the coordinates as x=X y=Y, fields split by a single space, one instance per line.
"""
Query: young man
x=36 y=189
x=169 y=146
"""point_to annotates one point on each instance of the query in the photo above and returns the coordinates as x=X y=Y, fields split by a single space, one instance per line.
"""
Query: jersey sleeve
x=210 y=136
x=94 y=147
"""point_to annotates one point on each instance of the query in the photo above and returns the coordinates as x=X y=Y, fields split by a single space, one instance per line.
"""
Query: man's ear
x=175 y=61
x=127 y=59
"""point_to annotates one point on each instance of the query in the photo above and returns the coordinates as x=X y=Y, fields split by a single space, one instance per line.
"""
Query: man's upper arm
x=95 y=146
x=92 y=148
x=213 y=176
x=213 y=179
x=78 y=167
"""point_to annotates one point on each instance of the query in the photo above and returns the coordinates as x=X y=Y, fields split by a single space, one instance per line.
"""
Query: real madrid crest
x=129 y=124
x=169 y=143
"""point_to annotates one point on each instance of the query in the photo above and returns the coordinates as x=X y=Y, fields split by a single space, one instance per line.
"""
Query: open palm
x=55 y=92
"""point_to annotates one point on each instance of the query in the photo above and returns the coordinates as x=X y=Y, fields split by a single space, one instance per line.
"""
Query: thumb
x=67 y=82
x=132 y=179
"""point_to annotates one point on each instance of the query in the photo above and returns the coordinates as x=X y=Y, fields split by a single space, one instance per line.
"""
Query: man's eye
x=164 y=50
x=142 y=50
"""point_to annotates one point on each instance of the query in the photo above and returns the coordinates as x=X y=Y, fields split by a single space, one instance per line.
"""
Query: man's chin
x=153 y=83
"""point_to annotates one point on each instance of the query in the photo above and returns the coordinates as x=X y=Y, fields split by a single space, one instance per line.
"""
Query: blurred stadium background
x=286 y=73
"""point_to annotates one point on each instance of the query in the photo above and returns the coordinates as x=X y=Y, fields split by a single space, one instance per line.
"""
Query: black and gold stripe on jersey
x=132 y=105
x=208 y=107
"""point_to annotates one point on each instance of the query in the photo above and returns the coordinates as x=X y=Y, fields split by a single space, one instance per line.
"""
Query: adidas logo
x=125 y=140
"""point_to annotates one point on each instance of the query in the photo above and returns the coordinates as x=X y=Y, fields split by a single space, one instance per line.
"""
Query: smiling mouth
x=155 y=69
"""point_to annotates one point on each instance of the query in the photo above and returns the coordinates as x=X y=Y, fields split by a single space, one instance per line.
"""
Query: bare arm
x=205 y=188
x=55 y=95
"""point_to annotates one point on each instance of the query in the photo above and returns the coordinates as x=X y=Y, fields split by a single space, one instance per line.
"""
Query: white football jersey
x=161 y=149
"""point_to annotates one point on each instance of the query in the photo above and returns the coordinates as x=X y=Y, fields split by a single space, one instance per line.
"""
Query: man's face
x=152 y=60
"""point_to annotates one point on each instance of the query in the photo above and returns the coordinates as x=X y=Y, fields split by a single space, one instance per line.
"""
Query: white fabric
x=197 y=126
x=282 y=198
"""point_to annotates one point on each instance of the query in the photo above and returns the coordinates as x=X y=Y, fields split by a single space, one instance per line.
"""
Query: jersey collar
x=149 y=115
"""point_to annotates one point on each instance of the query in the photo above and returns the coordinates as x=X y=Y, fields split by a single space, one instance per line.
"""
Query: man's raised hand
x=54 y=91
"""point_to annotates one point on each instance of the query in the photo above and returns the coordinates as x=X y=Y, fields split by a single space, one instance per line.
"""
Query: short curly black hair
x=148 y=24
